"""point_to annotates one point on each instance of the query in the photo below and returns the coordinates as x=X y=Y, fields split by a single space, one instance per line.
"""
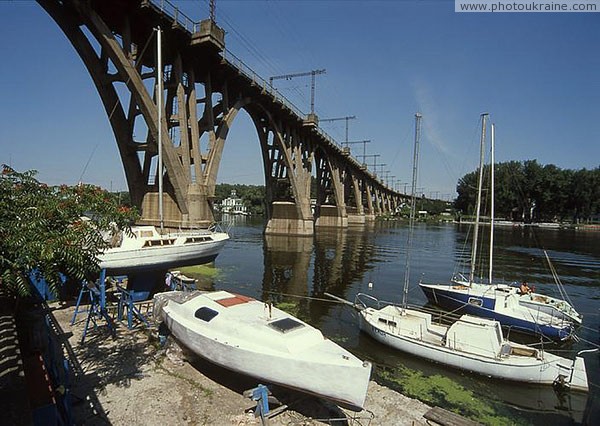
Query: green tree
x=53 y=230
x=527 y=190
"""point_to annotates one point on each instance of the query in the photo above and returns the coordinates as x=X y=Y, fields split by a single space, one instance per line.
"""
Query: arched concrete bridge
x=205 y=87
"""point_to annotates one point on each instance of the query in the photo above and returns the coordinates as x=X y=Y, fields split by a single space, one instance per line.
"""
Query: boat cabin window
x=196 y=239
x=205 y=314
x=388 y=322
x=160 y=242
x=286 y=324
x=475 y=301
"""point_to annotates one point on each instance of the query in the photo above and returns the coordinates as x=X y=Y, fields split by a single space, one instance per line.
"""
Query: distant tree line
x=528 y=191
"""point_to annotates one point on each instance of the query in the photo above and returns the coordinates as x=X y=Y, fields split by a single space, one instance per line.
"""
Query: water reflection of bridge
x=336 y=258
x=205 y=87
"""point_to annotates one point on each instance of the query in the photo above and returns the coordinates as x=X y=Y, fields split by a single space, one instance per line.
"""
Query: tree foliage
x=52 y=230
x=531 y=192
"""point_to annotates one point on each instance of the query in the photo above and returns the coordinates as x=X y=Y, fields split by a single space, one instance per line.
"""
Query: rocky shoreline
x=131 y=379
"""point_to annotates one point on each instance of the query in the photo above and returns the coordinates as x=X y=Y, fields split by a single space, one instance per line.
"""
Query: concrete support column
x=285 y=220
x=332 y=216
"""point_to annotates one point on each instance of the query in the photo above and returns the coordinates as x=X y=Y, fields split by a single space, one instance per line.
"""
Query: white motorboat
x=259 y=340
x=472 y=344
x=145 y=248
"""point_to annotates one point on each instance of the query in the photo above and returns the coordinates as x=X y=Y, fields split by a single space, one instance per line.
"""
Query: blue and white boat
x=531 y=313
x=499 y=302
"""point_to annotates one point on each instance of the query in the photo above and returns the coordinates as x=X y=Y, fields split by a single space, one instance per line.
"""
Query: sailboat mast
x=159 y=107
x=492 y=207
x=413 y=206
x=479 y=189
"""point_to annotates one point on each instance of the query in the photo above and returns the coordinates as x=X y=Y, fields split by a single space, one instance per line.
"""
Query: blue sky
x=538 y=75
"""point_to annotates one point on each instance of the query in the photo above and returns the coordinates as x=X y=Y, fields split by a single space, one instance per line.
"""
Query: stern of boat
x=578 y=380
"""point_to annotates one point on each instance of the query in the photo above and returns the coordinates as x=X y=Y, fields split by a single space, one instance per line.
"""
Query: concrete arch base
x=285 y=221
x=332 y=216
x=356 y=219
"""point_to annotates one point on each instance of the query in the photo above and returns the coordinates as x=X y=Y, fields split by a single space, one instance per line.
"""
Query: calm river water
x=296 y=270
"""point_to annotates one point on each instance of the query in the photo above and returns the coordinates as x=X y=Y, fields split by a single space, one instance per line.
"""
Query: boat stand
x=85 y=291
x=97 y=308
x=261 y=394
x=127 y=301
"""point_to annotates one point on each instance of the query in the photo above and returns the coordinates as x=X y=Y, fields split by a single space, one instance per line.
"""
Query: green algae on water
x=438 y=390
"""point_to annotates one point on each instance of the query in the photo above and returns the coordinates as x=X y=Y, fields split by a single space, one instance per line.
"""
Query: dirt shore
x=132 y=380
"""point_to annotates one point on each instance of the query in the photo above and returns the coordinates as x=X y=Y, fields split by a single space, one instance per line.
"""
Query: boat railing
x=363 y=301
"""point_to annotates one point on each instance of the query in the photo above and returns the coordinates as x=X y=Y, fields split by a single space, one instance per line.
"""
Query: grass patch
x=208 y=270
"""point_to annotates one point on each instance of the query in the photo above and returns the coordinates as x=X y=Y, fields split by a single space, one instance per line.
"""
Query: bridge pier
x=332 y=216
x=285 y=220
x=199 y=210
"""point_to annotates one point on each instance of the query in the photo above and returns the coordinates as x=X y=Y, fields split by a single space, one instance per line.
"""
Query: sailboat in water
x=471 y=343
x=512 y=306
x=149 y=248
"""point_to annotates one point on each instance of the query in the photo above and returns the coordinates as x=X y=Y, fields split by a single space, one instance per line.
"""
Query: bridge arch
x=205 y=88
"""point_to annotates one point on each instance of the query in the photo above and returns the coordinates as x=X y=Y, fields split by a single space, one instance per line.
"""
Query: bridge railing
x=169 y=9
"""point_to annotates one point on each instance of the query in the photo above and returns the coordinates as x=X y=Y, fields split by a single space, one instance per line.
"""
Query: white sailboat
x=148 y=248
x=259 y=340
x=523 y=311
x=471 y=343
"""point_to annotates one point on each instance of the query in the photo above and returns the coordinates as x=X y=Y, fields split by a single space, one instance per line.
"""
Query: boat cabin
x=475 y=335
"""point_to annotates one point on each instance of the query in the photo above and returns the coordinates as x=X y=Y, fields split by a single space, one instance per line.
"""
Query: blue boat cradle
x=129 y=298
x=261 y=394
x=127 y=302
x=96 y=309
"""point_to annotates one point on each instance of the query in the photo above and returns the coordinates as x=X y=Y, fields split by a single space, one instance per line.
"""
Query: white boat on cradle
x=259 y=340
x=471 y=343
x=146 y=248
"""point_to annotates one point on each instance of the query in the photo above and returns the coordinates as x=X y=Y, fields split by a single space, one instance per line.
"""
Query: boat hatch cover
x=286 y=324
x=236 y=299
x=205 y=314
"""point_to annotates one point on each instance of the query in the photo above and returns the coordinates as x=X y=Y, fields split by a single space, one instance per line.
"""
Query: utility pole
x=393 y=179
x=312 y=73
x=329 y=120
x=212 y=8
x=364 y=142
x=382 y=165
x=374 y=160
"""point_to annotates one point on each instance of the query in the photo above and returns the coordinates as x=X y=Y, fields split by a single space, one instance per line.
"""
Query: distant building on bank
x=233 y=205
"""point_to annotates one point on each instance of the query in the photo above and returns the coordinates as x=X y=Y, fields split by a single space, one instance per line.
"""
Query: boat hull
x=486 y=307
x=139 y=260
x=324 y=369
x=146 y=249
x=525 y=369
